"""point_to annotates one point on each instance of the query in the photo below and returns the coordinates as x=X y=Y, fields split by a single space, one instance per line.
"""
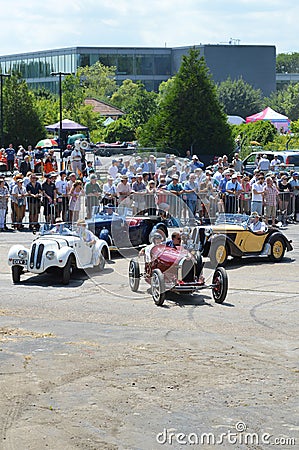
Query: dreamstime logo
x=239 y=436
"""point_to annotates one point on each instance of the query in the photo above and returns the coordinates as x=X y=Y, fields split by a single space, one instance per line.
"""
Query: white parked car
x=59 y=247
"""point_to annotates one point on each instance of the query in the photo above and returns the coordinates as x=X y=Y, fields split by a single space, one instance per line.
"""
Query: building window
x=84 y=60
x=162 y=65
x=124 y=65
x=144 y=65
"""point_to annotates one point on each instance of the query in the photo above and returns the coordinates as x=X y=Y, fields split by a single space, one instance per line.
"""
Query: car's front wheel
x=16 y=274
x=134 y=275
x=278 y=249
x=67 y=271
x=102 y=262
x=158 y=287
x=220 y=285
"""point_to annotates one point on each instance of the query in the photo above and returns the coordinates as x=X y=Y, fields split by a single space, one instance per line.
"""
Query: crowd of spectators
x=180 y=187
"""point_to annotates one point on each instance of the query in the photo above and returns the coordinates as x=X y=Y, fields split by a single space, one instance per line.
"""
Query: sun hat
x=81 y=222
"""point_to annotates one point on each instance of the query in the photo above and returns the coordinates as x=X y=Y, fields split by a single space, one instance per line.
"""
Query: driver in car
x=59 y=227
x=175 y=241
x=256 y=224
x=157 y=238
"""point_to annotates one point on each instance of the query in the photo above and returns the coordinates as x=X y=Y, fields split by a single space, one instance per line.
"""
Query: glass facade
x=150 y=66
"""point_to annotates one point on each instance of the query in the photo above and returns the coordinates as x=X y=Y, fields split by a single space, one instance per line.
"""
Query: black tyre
x=67 y=271
x=102 y=262
x=134 y=275
x=16 y=274
x=199 y=265
x=278 y=249
x=158 y=287
x=220 y=282
x=218 y=253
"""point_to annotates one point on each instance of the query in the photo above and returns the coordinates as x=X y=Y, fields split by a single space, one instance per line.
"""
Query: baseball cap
x=296 y=174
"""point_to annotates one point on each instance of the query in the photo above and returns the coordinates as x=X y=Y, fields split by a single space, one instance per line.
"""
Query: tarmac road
x=94 y=366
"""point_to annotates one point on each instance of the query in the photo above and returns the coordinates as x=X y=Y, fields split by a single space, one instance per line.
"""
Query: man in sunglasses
x=175 y=240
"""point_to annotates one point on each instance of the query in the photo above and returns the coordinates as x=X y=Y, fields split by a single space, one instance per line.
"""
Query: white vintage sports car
x=58 y=247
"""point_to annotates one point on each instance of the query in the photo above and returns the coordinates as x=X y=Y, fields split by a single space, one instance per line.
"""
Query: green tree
x=22 y=124
x=97 y=81
x=286 y=101
x=120 y=130
x=190 y=114
x=72 y=93
x=239 y=98
x=122 y=96
x=136 y=101
x=261 y=131
x=287 y=63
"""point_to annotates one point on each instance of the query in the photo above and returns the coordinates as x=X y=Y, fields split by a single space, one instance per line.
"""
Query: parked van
x=288 y=157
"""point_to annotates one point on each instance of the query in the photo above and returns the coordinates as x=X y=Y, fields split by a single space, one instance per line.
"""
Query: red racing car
x=177 y=270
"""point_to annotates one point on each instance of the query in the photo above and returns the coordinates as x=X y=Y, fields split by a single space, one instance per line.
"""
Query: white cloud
x=64 y=23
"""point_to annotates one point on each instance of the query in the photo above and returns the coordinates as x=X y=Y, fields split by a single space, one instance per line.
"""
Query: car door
x=83 y=252
x=250 y=242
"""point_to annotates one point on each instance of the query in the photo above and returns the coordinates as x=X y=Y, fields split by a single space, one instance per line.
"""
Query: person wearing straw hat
x=88 y=237
x=19 y=194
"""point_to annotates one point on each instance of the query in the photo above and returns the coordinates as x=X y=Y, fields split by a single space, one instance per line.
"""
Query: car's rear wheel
x=220 y=285
x=67 y=271
x=218 y=253
x=134 y=275
x=278 y=249
x=158 y=287
x=16 y=274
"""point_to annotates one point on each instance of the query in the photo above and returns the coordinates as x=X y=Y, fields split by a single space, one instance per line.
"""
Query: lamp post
x=2 y=75
x=60 y=74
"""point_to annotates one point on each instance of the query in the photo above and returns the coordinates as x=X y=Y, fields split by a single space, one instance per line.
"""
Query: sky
x=39 y=25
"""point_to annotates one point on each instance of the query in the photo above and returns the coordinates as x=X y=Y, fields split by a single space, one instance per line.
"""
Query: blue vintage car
x=126 y=231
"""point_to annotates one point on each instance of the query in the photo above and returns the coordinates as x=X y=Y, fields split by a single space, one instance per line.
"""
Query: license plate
x=20 y=261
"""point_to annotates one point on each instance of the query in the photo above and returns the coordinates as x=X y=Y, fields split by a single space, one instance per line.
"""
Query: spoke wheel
x=220 y=282
x=218 y=254
x=277 y=249
x=134 y=275
x=158 y=287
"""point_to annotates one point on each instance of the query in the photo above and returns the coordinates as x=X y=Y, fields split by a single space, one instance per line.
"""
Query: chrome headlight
x=22 y=254
x=208 y=232
x=50 y=254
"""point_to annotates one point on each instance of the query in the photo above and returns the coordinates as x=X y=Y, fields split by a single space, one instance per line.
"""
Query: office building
x=256 y=64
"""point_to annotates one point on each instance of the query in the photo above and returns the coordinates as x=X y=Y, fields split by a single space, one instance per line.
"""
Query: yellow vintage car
x=231 y=236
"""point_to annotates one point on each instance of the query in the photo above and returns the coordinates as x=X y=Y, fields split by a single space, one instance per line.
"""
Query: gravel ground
x=94 y=366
